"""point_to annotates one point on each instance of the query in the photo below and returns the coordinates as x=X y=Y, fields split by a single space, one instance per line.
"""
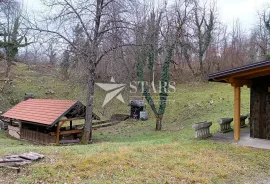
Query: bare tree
x=150 y=33
x=65 y=64
x=95 y=19
x=10 y=30
x=266 y=20
x=204 y=24
x=51 y=52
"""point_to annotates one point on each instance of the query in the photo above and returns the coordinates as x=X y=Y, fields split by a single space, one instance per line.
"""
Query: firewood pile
x=15 y=161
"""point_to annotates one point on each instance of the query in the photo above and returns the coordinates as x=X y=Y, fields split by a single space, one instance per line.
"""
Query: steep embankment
x=47 y=82
x=43 y=81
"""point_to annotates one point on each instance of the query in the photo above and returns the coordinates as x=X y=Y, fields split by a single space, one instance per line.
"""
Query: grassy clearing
x=133 y=152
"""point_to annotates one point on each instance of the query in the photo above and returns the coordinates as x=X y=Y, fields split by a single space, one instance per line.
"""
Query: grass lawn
x=133 y=152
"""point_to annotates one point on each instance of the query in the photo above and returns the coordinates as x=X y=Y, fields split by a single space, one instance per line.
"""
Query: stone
x=243 y=121
x=143 y=115
x=225 y=124
x=202 y=129
x=14 y=131
x=49 y=92
x=29 y=96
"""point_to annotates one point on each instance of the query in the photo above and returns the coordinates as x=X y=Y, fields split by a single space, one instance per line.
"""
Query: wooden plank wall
x=37 y=137
x=260 y=108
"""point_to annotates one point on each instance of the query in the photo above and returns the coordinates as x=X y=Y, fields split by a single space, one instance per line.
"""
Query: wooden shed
x=42 y=120
x=256 y=76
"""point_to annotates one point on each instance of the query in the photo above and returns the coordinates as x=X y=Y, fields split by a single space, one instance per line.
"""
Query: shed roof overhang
x=242 y=75
x=45 y=112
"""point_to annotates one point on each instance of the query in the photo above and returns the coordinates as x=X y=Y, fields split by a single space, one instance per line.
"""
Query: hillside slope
x=45 y=82
x=132 y=151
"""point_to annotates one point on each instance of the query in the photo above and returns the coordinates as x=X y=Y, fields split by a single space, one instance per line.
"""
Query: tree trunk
x=8 y=68
x=190 y=67
x=201 y=67
x=89 y=107
x=158 y=122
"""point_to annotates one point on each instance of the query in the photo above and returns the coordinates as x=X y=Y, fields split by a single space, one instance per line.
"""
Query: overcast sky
x=229 y=10
x=244 y=10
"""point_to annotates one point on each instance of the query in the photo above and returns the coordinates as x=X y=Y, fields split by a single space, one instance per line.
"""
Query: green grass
x=133 y=152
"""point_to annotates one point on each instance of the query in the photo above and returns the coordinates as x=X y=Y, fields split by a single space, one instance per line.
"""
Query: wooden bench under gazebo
x=256 y=76
x=42 y=121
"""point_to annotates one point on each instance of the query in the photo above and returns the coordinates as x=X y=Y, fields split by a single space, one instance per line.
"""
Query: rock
x=225 y=124
x=143 y=115
x=202 y=129
x=14 y=131
x=49 y=92
x=29 y=96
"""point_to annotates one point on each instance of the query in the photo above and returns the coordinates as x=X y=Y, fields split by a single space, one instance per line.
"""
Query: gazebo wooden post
x=59 y=125
x=237 y=103
x=57 y=133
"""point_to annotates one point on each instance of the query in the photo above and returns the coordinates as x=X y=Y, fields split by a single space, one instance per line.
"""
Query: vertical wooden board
x=43 y=139
x=262 y=115
x=251 y=111
x=30 y=135
x=267 y=119
x=22 y=133
x=57 y=133
x=255 y=109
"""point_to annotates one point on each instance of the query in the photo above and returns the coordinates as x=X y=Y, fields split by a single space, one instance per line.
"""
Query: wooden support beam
x=237 y=102
x=59 y=125
x=57 y=133
x=239 y=82
x=67 y=132
x=71 y=119
x=62 y=123
x=70 y=125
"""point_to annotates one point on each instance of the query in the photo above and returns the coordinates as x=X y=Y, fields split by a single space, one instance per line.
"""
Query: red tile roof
x=41 y=111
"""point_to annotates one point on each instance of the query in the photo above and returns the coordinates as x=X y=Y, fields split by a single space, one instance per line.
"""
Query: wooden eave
x=242 y=75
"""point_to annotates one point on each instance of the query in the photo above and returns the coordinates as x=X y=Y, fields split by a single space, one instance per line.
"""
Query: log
x=28 y=156
x=106 y=124
x=11 y=160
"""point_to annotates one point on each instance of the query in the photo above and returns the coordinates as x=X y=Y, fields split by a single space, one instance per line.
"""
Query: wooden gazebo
x=256 y=76
x=42 y=120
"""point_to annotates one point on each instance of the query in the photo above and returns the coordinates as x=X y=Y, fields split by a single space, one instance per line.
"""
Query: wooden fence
x=37 y=137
